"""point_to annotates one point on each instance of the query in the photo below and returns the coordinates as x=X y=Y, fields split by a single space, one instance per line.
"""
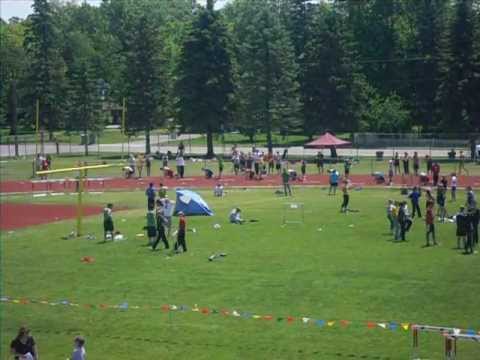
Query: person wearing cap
x=23 y=347
x=79 y=352
x=182 y=229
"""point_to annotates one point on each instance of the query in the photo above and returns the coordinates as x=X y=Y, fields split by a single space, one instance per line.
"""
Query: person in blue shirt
x=415 y=196
x=150 y=194
x=334 y=176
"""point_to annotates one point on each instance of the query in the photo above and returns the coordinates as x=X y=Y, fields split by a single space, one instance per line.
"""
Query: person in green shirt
x=151 y=226
x=286 y=182
x=220 y=166
x=162 y=191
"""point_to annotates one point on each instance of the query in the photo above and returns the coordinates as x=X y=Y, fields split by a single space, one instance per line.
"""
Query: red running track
x=14 y=216
x=201 y=182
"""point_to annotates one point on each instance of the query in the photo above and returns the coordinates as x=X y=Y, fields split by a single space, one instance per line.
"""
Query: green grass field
x=21 y=169
x=343 y=272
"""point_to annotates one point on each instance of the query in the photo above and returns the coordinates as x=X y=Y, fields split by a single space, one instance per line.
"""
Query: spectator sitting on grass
x=236 y=216
x=208 y=173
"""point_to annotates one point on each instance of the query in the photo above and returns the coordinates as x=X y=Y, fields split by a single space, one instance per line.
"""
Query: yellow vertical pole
x=81 y=176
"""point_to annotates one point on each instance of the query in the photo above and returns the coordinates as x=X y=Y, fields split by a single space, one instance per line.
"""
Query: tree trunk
x=13 y=113
x=86 y=141
x=147 y=139
x=269 y=138
x=210 y=152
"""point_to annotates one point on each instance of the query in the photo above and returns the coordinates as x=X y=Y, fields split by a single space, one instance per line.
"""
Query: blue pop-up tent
x=190 y=203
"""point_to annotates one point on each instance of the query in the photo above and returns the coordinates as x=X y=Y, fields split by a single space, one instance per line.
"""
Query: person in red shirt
x=430 y=223
x=182 y=229
x=436 y=173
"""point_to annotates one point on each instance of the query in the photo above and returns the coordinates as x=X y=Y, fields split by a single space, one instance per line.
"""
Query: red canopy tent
x=329 y=141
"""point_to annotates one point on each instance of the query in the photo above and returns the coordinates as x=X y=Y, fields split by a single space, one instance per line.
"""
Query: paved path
x=139 y=146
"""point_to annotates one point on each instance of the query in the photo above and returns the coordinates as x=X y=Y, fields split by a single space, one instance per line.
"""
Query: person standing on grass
x=108 y=222
x=347 y=166
x=430 y=223
x=79 y=352
x=471 y=199
x=396 y=224
x=429 y=198
x=444 y=183
x=453 y=187
x=475 y=221
x=415 y=200
x=180 y=165
x=429 y=162
x=182 y=229
x=165 y=161
x=416 y=163
x=168 y=210
x=390 y=216
x=150 y=194
x=469 y=243
x=151 y=226
x=396 y=163
x=461 y=163
x=405 y=161
x=435 y=173
x=390 y=172
x=278 y=162
x=160 y=222
x=140 y=164
x=462 y=227
x=271 y=162
x=303 y=169
x=402 y=220
x=236 y=163
x=334 y=177
x=220 y=166
x=148 y=163
x=132 y=163
x=23 y=347
x=441 y=199
x=346 y=197
x=320 y=162
x=286 y=182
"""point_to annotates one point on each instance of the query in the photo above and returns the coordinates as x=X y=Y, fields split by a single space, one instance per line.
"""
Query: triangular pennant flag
x=87 y=306
x=103 y=306
x=195 y=308
x=344 y=323
x=290 y=319
x=165 y=308
x=235 y=313
x=4 y=298
x=320 y=322
x=64 y=302
x=15 y=301
x=173 y=307
x=256 y=316
x=305 y=320
x=123 y=306
x=205 y=311
x=393 y=326
x=470 y=332
x=184 y=308
x=456 y=331
x=72 y=304
x=330 y=323
x=371 y=325
x=135 y=307
x=268 y=317
x=214 y=311
x=382 y=325
x=246 y=315
x=405 y=326
x=24 y=301
x=44 y=302
x=279 y=319
x=225 y=312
